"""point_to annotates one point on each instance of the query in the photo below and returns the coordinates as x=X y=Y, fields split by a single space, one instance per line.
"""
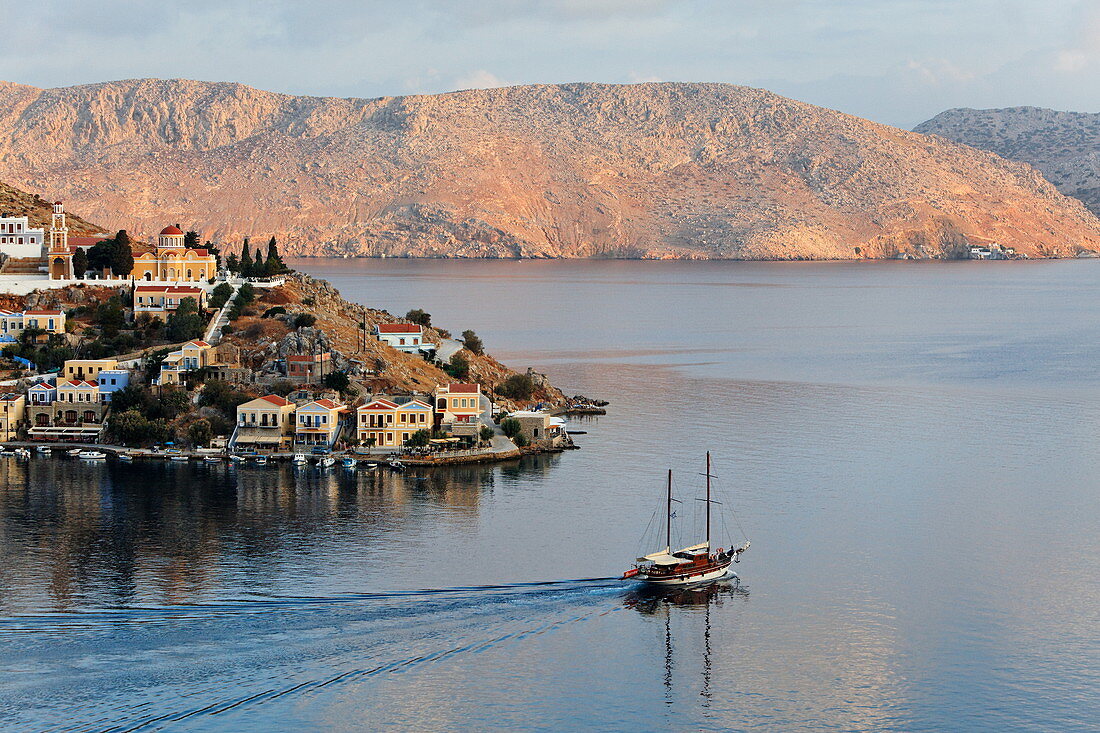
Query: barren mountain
x=14 y=202
x=1065 y=146
x=573 y=170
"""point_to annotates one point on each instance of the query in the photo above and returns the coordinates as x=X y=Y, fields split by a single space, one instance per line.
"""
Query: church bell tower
x=58 y=256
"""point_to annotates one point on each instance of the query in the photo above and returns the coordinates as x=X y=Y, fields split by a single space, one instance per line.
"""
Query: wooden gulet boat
x=691 y=565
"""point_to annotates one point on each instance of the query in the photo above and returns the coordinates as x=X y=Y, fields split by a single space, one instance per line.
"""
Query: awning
x=661 y=557
x=259 y=436
x=695 y=548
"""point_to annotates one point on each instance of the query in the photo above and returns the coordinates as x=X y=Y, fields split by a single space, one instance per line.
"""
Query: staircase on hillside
x=23 y=266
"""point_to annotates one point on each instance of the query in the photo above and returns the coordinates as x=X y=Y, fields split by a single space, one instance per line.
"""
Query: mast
x=668 y=513
x=708 y=501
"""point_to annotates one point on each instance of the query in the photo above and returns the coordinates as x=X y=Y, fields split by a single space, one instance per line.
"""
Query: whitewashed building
x=17 y=239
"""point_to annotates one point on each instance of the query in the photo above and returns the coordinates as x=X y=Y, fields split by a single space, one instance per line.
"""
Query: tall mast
x=668 y=513
x=708 y=501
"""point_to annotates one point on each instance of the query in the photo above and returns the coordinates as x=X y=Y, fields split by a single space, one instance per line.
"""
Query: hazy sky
x=895 y=61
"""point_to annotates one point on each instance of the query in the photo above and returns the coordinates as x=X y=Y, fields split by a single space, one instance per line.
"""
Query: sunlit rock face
x=665 y=170
x=1065 y=146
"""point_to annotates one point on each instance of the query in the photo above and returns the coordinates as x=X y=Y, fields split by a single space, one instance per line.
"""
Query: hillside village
x=163 y=347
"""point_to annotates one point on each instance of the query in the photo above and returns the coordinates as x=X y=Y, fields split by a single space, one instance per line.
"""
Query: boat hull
x=691 y=576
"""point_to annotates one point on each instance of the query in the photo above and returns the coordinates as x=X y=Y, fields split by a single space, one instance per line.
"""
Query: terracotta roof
x=170 y=230
x=42 y=313
x=275 y=400
x=198 y=342
x=381 y=405
x=10 y=397
x=462 y=388
x=398 y=328
x=83 y=241
x=78 y=382
x=326 y=402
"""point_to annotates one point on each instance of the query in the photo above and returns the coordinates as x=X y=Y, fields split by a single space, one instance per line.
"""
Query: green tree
x=80 y=262
x=219 y=295
x=173 y=402
x=305 y=320
x=115 y=254
x=472 y=343
x=200 y=432
x=185 y=323
x=110 y=317
x=419 y=439
x=274 y=265
x=458 y=366
x=486 y=433
x=219 y=394
x=511 y=427
x=213 y=249
x=419 y=317
x=232 y=263
x=338 y=381
x=191 y=239
x=517 y=387
x=246 y=260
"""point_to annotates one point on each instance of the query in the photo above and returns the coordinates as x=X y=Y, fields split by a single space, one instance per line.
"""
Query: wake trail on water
x=93 y=618
x=359 y=645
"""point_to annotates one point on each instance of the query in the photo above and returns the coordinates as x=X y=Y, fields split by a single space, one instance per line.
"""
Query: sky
x=894 y=61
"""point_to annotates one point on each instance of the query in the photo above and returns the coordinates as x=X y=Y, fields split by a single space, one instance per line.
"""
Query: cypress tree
x=246 y=260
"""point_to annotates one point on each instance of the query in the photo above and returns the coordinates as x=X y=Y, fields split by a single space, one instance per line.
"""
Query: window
x=402 y=342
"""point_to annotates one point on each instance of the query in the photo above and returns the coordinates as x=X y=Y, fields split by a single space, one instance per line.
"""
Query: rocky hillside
x=391 y=371
x=1064 y=146
x=573 y=170
x=14 y=202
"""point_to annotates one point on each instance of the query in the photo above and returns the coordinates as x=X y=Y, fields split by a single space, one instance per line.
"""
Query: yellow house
x=189 y=357
x=266 y=422
x=12 y=408
x=385 y=424
x=172 y=261
x=317 y=422
x=85 y=369
x=160 y=300
x=13 y=323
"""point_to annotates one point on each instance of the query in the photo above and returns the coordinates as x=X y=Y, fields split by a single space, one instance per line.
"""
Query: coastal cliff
x=655 y=170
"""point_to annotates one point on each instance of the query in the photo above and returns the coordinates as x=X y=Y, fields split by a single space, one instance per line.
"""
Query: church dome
x=170 y=231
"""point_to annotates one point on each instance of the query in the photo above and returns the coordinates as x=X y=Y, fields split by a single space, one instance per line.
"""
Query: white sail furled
x=695 y=548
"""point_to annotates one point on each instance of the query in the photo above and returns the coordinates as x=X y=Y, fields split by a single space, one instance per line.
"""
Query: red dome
x=170 y=230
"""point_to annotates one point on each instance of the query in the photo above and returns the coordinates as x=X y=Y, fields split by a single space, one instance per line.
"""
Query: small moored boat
x=261 y=461
x=125 y=457
x=236 y=459
x=212 y=459
x=43 y=449
x=22 y=453
x=74 y=452
x=348 y=462
x=326 y=462
x=695 y=564
x=299 y=459
x=92 y=455
x=177 y=457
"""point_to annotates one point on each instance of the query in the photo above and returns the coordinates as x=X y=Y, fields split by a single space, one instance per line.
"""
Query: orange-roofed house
x=385 y=423
x=458 y=408
x=407 y=337
x=160 y=300
x=170 y=260
x=265 y=423
x=190 y=357
x=317 y=423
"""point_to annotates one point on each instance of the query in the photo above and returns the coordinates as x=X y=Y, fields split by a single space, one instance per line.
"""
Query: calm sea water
x=912 y=448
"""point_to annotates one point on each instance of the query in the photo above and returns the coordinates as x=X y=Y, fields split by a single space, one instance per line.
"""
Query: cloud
x=480 y=79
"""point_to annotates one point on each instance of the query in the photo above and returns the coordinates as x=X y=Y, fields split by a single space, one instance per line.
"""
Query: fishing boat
x=326 y=462
x=236 y=459
x=22 y=453
x=698 y=563
x=74 y=452
x=212 y=459
x=92 y=455
x=348 y=462
x=125 y=457
x=396 y=465
x=299 y=459
x=261 y=461
x=43 y=449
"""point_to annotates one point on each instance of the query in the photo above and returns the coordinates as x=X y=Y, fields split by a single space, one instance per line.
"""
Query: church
x=174 y=262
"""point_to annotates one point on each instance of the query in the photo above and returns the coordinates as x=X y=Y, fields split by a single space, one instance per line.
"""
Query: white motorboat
x=177 y=457
x=43 y=449
x=236 y=459
x=261 y=461
x=92 y=455
x=349 y=462
x=212 y=459
x=326 y=462
x=125 y=457
x=22 y=453
x=74 y=452
x=692 y=565
x=299 y=459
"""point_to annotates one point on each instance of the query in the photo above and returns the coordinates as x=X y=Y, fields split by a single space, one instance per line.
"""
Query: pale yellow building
x=265 y=423
x=383 y=423
x=318 y=422
x=12 y=409
x=174 y=262
x=190 y=357
x=85 y=369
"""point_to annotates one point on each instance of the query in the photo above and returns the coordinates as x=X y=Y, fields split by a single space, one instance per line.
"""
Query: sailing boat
x=691 y=565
